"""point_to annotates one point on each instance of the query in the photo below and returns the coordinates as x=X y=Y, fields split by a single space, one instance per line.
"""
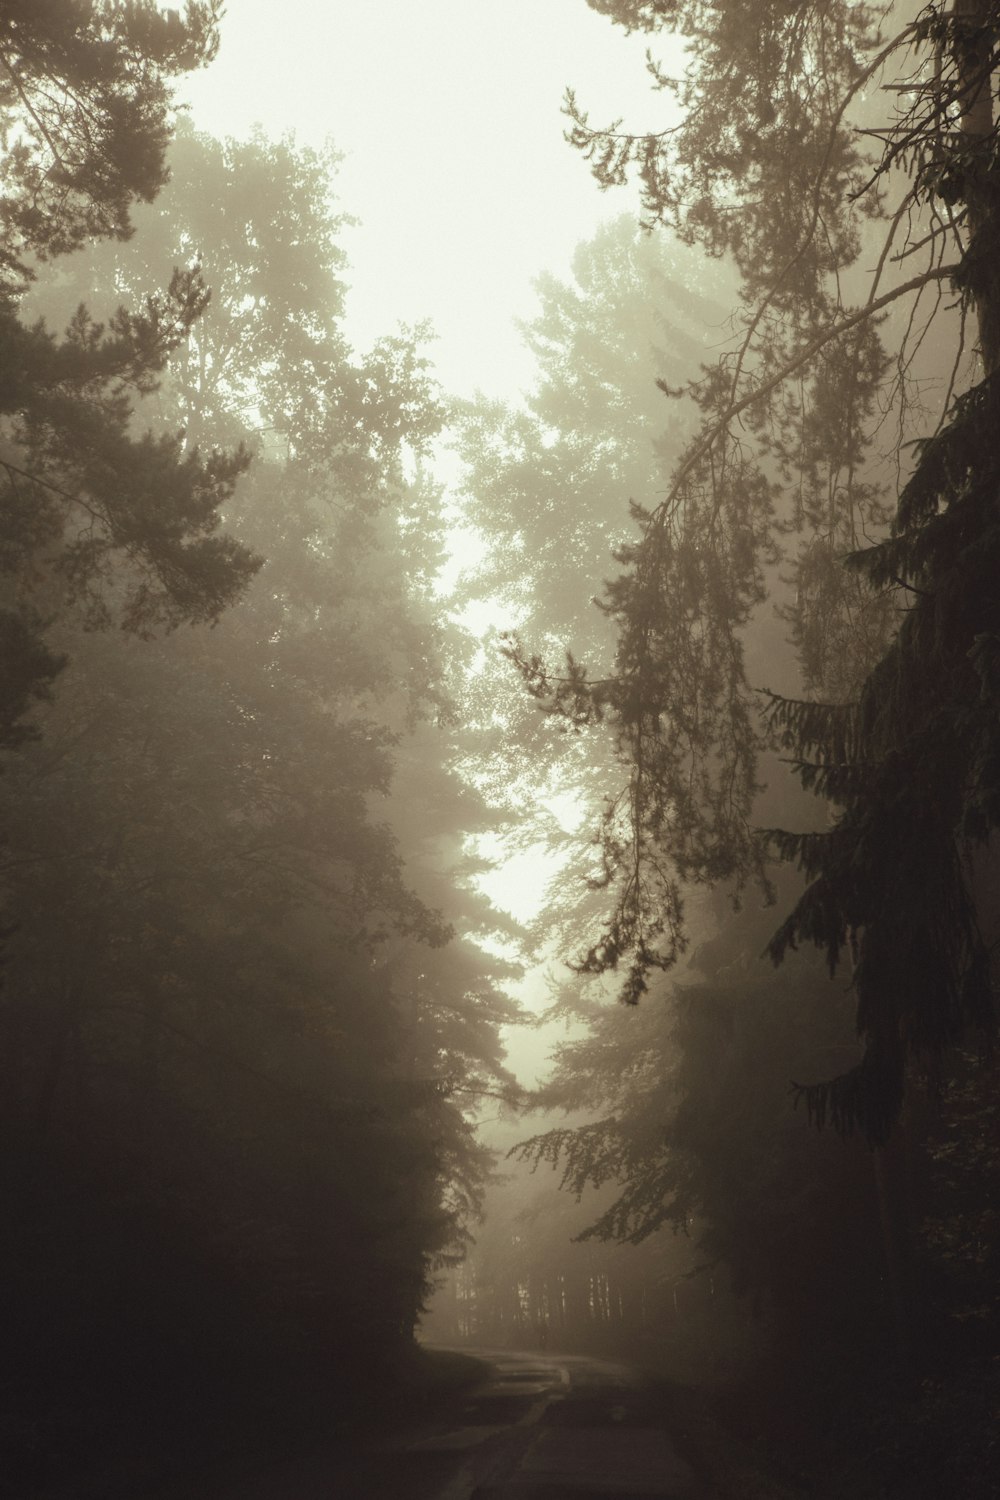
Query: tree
x=542 y=488
x=85 y=90
x=356 y=538
x=809 y=147
x=240 y=1031
x=689 y=1128
x=85 y=104
x=538 y=1277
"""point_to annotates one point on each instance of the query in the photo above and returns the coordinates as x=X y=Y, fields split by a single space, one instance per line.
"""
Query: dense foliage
x=543 y=483
x=245 y=1008
x=827 y=533
x=781 y=160
x=85 y=494
x=250 y=989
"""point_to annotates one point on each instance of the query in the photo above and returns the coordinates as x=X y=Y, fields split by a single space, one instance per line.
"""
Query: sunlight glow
x=454 y=163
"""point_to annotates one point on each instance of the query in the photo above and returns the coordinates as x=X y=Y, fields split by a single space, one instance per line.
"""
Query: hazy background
x=448 y=117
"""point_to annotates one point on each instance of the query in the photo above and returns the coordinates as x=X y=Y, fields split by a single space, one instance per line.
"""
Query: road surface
x=558 y=1428
x=541 y=1427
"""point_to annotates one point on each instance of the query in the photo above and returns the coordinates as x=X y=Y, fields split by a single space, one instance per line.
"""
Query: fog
x=446 y=118
x=498 y=753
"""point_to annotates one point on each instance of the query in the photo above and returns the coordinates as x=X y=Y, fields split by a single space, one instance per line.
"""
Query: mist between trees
x=254 y=999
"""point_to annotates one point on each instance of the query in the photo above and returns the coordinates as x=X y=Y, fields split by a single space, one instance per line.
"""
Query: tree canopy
x=844 y=160
x=246 y=1009
x=85 y=92
x=85 y=103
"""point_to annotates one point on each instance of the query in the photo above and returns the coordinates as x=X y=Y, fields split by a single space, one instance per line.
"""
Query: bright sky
x=448 y=115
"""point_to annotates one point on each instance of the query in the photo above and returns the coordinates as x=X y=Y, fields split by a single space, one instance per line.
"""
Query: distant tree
x=592 y=429
x=690 y=1128
x=851 y=177
x=545 y=485
x=536 y=1278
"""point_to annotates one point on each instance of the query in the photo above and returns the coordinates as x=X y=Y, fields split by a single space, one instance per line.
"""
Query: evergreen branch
x=909 y=587
x=580 y=119
x=43 y=130
x=514 y=1100
x=804 y=356
x=45 y=483
x=768 y=298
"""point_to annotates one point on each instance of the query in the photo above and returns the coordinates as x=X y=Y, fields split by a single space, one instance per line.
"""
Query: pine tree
x=851 y=177
x=85 y=113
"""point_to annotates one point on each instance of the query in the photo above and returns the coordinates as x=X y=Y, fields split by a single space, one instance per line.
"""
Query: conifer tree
x=845 y=159
x=85 y=96
x=245 y=1012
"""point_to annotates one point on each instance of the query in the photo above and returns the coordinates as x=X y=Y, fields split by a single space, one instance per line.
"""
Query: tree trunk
x=982 y=180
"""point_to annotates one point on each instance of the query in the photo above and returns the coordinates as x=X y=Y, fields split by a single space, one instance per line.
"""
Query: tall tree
x=240 y=1031
x=809 y=145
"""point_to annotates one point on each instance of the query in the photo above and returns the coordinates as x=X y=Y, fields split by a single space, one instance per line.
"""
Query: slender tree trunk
x=982 y=179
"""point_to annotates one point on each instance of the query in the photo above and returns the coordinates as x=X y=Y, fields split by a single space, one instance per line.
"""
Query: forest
x=268 y=1128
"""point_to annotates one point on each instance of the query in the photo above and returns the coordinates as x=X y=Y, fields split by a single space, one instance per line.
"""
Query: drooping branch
x=804 y=356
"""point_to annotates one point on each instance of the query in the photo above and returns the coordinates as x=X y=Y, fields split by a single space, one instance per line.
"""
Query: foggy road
x=540 y=1427
x=556 y=1427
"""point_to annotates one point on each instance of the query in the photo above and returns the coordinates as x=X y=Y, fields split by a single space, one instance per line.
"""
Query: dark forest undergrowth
x=176 y=1425
x=895 y=1431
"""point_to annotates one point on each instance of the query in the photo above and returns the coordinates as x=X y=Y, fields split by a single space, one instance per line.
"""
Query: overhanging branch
x=828 y=336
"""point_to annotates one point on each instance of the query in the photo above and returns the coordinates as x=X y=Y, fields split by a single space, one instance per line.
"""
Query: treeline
x=537 y=1277
x=244 y=1013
